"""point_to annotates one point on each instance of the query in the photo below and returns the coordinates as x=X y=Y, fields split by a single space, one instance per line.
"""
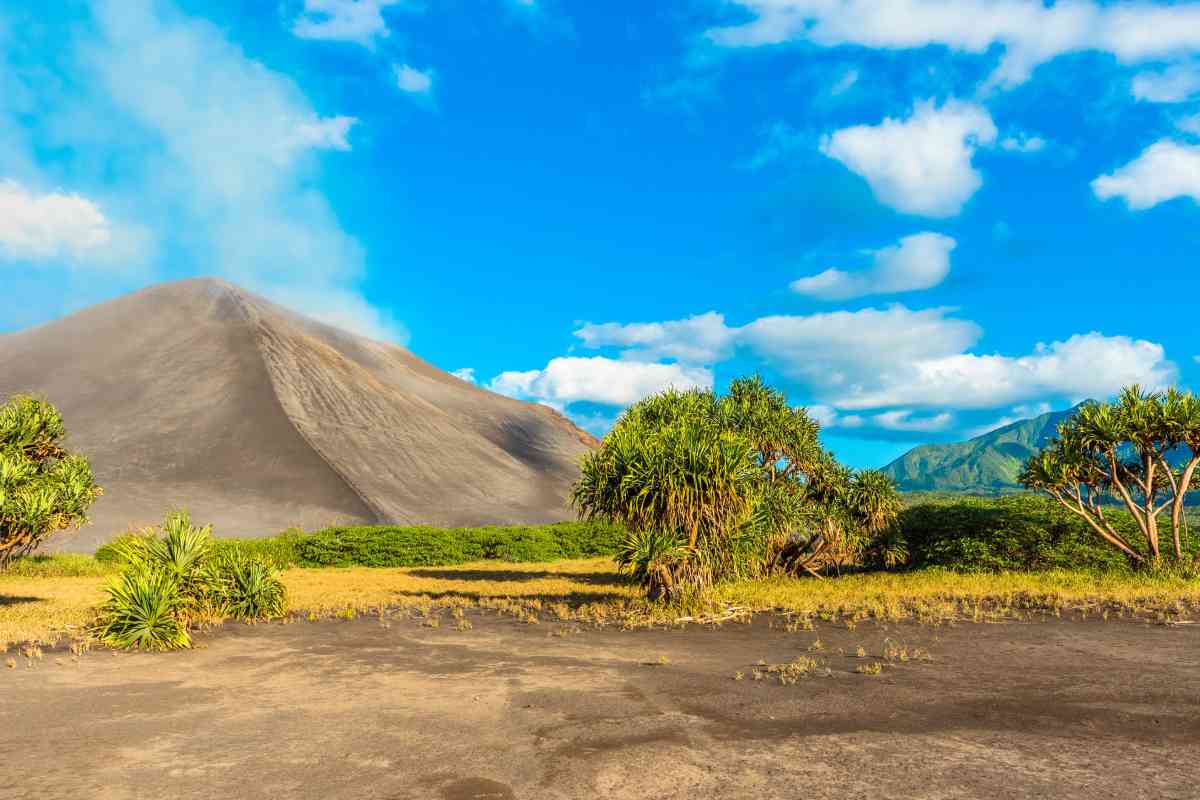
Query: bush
x=249 y=588
x=1010 y=533
x=281 y=551
x=389 y=546
x=170 y=583
x=43 y=488
x=145 y=611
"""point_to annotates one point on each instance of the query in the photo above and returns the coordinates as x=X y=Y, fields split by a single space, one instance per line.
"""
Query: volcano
x=197 y=394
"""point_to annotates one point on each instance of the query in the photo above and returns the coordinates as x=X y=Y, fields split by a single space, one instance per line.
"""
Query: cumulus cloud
x=65 y=227
x=919 y=261
x=53 y=225
x=465 y=374
x=1175 y=84
x=1165 y=170
x=896 y=358
x=922 y=164
x=1023 y=143
x=1085 y=365
x=598 y=380
x=413 y=80
x=325 y=133
x=1031 y=32
x=701 y=339
x=359 y=21
x=902 y=420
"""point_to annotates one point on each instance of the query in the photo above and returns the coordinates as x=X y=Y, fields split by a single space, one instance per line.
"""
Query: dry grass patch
x=552 y=586
x=936 y=595
x=47 y=610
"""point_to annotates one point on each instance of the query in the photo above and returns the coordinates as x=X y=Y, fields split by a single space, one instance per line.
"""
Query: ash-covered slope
x=201 y=395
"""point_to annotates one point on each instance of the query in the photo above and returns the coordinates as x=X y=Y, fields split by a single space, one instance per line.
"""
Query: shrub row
x=389 y=546
x=1019 y=533
x=419 y=546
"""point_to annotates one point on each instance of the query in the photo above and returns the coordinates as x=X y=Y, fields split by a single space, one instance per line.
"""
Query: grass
x=933 y=594
x=54 y=599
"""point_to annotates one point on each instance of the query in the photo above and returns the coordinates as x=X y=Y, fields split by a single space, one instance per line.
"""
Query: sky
x=921 y=219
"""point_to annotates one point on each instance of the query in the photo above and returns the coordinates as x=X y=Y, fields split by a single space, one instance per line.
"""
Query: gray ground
x=364 y=709
x=198 y=394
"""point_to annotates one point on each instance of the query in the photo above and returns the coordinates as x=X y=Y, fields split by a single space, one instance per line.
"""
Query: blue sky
x=919 y=218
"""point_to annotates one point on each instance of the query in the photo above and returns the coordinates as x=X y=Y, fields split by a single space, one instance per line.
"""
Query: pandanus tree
x=43 y=488
x=713 y=487
x=1140 y=452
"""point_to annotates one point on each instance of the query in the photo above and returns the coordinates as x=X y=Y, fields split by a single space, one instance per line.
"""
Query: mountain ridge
x=987 y=464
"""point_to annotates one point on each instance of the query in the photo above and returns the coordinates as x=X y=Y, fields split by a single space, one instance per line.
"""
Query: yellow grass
x=943 y=594
x=359 y=588
x=46 y=609
x=51 y=608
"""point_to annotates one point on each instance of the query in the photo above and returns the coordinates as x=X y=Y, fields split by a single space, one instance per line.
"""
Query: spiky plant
x=144 y=612
x=250 y=588
x=43 y=488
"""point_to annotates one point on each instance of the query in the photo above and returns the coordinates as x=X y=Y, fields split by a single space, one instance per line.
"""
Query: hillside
x=201 y=395
x=987 y=464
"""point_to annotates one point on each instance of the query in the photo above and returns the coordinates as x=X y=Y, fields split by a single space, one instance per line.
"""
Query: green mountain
x=987 y=464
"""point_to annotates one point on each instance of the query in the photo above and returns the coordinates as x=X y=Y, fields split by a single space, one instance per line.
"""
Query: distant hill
x=987 y=464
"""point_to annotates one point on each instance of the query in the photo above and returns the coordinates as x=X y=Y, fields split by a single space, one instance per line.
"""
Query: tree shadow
x=519 y=576
x=573 y=599
x=14 y=600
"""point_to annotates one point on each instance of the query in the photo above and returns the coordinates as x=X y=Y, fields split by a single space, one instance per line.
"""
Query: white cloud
x=919 y=261
x=598 y=380
x=1165 y=170
x=844 y=83
x=898 y=359
x=325 y=133
x=922 y=164
x=1175 y=84
x=702 y=339
x=413 y=80
x=1023 y=143
x=1190 y=124
x=54 y=225
x=68 y=228
x=359 y=21
x=1031 y=32
x=1085 y=365
x=905 y=421
x=217 y=157
x=465 y=374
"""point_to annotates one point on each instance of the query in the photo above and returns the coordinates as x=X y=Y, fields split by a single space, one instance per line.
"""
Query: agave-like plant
x=250 y=588
x=143 y=612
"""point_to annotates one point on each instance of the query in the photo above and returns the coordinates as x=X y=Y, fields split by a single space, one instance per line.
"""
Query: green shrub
x=390 y=546
x=62 y=565
x=144 y=611
x=171 y=582
x=249 y=587
x=383 y=546
x=1008 y=533
x=281 y=551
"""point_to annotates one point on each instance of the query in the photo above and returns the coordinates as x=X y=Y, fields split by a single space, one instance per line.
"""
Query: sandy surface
x=393 y=709
x=201 y=395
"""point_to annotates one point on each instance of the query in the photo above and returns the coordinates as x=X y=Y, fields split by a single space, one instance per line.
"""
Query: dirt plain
x=393 y=708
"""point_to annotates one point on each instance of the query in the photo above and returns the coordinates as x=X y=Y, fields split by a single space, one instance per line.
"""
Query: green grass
x=66 y=565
